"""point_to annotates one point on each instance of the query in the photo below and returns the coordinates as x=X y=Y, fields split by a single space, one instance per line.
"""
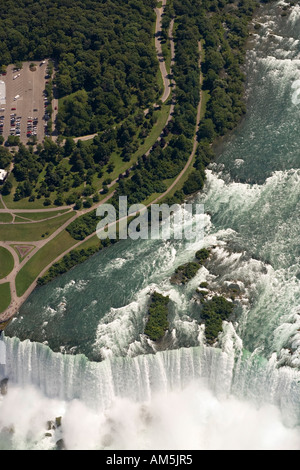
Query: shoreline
x=221 y=141
x=16 y=302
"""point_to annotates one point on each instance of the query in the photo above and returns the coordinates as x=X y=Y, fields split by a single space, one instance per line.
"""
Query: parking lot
x=24 y=111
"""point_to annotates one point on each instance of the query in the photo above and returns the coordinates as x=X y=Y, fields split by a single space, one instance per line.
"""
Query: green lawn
x=90 y=243
x=155 y=132
x=6 y=262
x=5 y=296
x=19 y=220
x=31 y=271
x=18 y=253
x=23 y=203
x=205 y=99
x=32 y=232
x=36 y=216
x=6 y=218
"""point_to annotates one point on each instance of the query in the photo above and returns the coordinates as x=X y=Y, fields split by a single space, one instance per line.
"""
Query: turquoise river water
x=77 y=348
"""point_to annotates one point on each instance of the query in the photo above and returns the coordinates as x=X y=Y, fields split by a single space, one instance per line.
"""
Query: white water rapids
x=242 y=394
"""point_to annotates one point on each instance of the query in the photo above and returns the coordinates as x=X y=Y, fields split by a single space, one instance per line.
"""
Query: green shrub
x=202 y=255
x=157 y=322
x=214 y=312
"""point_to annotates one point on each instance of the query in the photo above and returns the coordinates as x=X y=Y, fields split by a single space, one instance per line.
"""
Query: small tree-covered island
x=149 y=227
x=131 y=96
x=157 y=322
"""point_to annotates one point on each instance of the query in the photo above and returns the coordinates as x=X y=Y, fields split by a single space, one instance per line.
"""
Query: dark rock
x=50 y=425
x=58 y=421
x=60 y=445
x=235 y=287
x=3 y=386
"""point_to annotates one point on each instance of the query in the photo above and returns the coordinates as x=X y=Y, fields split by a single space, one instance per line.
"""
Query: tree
x=13 y=141
x=78 y=205
x=88 y=203
x=6 y=188
x=207 y=130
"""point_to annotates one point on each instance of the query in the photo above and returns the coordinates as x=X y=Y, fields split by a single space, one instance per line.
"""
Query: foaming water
x=264 y=221
x=146 y=402
x=123 y=386
x=268 y=139
x=220 y=424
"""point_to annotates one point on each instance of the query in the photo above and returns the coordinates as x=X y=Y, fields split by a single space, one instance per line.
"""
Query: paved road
x=159 y=198
x=28 y=86
x=195 y=141
x=18 y=301
x=168 y=83
x=162 y=63
x=6 y=210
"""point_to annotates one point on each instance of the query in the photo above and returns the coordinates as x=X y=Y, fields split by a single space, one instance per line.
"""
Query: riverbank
x=192 y=161
x=192 y=176
x=82 y=335
x=24 y=275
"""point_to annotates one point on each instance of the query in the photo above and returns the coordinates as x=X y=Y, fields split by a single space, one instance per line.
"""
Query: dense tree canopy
x=103 y=50
x=106 y=74
x=221 y=26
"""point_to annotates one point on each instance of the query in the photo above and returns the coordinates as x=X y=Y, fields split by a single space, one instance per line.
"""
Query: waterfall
x=226 y=372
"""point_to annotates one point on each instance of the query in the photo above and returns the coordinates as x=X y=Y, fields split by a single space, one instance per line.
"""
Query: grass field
x=205 y=99
x=23 y=203
x=155 y=132
x=32 y=232
x=18 y=253
x=6 y=262
x=39 y=215
x=5 y=296
x=40 y=261
x=6 y=218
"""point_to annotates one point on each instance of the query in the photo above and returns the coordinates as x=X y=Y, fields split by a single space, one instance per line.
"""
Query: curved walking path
x=159 y=198
x=195 y=141
x=162 y=64
x=16 y=301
